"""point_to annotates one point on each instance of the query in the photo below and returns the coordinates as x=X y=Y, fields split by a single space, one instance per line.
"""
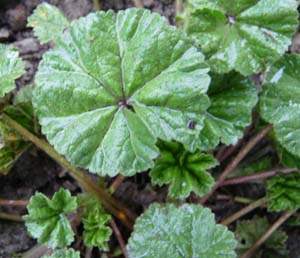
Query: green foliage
x=287 y=159
x=283 y=192
x=187 y=231
x=96 y=232
x=63 y=253
x=47 y=219
x=232 y=100
x=241 y=35
x=184 y=171
x=249 y=231
x=11 y=68
x=104 y=104
x=280 y=102
x=48 y=22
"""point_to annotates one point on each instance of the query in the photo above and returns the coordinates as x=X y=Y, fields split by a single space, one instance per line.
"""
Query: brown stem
x=85 y=181
x=4 y=202
x=234 y=163
x=119 y=237
x=257 y=176
x=138 y=3
x=116 y=183
x=244 y=200
x=96 y=5
x=36 y=252
x=11 y=217
x=249 y=253
x=244 y=211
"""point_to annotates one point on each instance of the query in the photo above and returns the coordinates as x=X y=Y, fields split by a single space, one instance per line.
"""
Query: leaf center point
x=231 y=19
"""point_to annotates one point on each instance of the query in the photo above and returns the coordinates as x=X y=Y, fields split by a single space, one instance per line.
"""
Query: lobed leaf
x=186 y=231
x=283 y=192
x=232 y=99
x=183 y=171
x=241 y=35
x=11 y=68
x=249 y=231
x=96 y=233
x=280 y=102
x=103 y=98
x=48 y=22
x=63 y=253
x=47 y=219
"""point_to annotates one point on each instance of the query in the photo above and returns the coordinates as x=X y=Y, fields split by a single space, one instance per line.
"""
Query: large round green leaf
x=243 y=35
x=187 y=231
x=115 y=83
x=280 y=102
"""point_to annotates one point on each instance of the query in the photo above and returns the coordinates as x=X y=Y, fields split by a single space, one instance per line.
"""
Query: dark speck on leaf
x=191 y=124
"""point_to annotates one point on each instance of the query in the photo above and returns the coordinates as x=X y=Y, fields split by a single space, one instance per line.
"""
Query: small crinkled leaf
x=63 y=253
x=287 y=159
x=114 y=84
x=249 y=231
x=241 y=35
x=232 y=99
x=185 y=172
x=280 y=102
x=11 y=68
x=283 y=192
x=47 y=219
x=48 y=22
x=96 y=233
x=186 y=231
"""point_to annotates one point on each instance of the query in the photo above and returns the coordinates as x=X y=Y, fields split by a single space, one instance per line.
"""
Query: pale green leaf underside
x=280 y=102
x=11 y=68
x=232 y=99
x=105 y=67
x=283 y=192
x=241 y=35
x=183 y=171
x=48 y=22
x=63 y=253
x=187 y=231
x=249 y=231
x=47 y=220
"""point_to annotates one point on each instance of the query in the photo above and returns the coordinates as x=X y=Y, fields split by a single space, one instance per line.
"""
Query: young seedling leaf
x=241 y=35
x=11 y=68
x=63 y=253
x=186 y=231
x=48 y=22
x=280 y=102
x=232 y=99
x=114 y=84
x=47 y=219
x=283 y=192
x=183 y=171
x=96 y=233
x=249 y=231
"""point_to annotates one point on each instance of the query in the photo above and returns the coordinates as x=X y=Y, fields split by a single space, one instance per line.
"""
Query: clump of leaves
x=241 y=35
x=47 y=219
x=249 y=231
x=186 y=231
x=184 y=171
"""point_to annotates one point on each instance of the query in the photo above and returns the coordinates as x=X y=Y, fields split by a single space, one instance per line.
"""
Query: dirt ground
x=34 y=171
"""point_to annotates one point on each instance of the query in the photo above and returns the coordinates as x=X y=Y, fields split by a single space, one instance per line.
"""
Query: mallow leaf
x=183 y=171
x=232 y=99
x=115 y=83
x=47 y=219
x=63 y=253
x=11 y=68
x=48 y=22
x=283 y=192
x=186 y=231
x=241 y=35
x=280 y=102
x=96 y=233
x=249 y=231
